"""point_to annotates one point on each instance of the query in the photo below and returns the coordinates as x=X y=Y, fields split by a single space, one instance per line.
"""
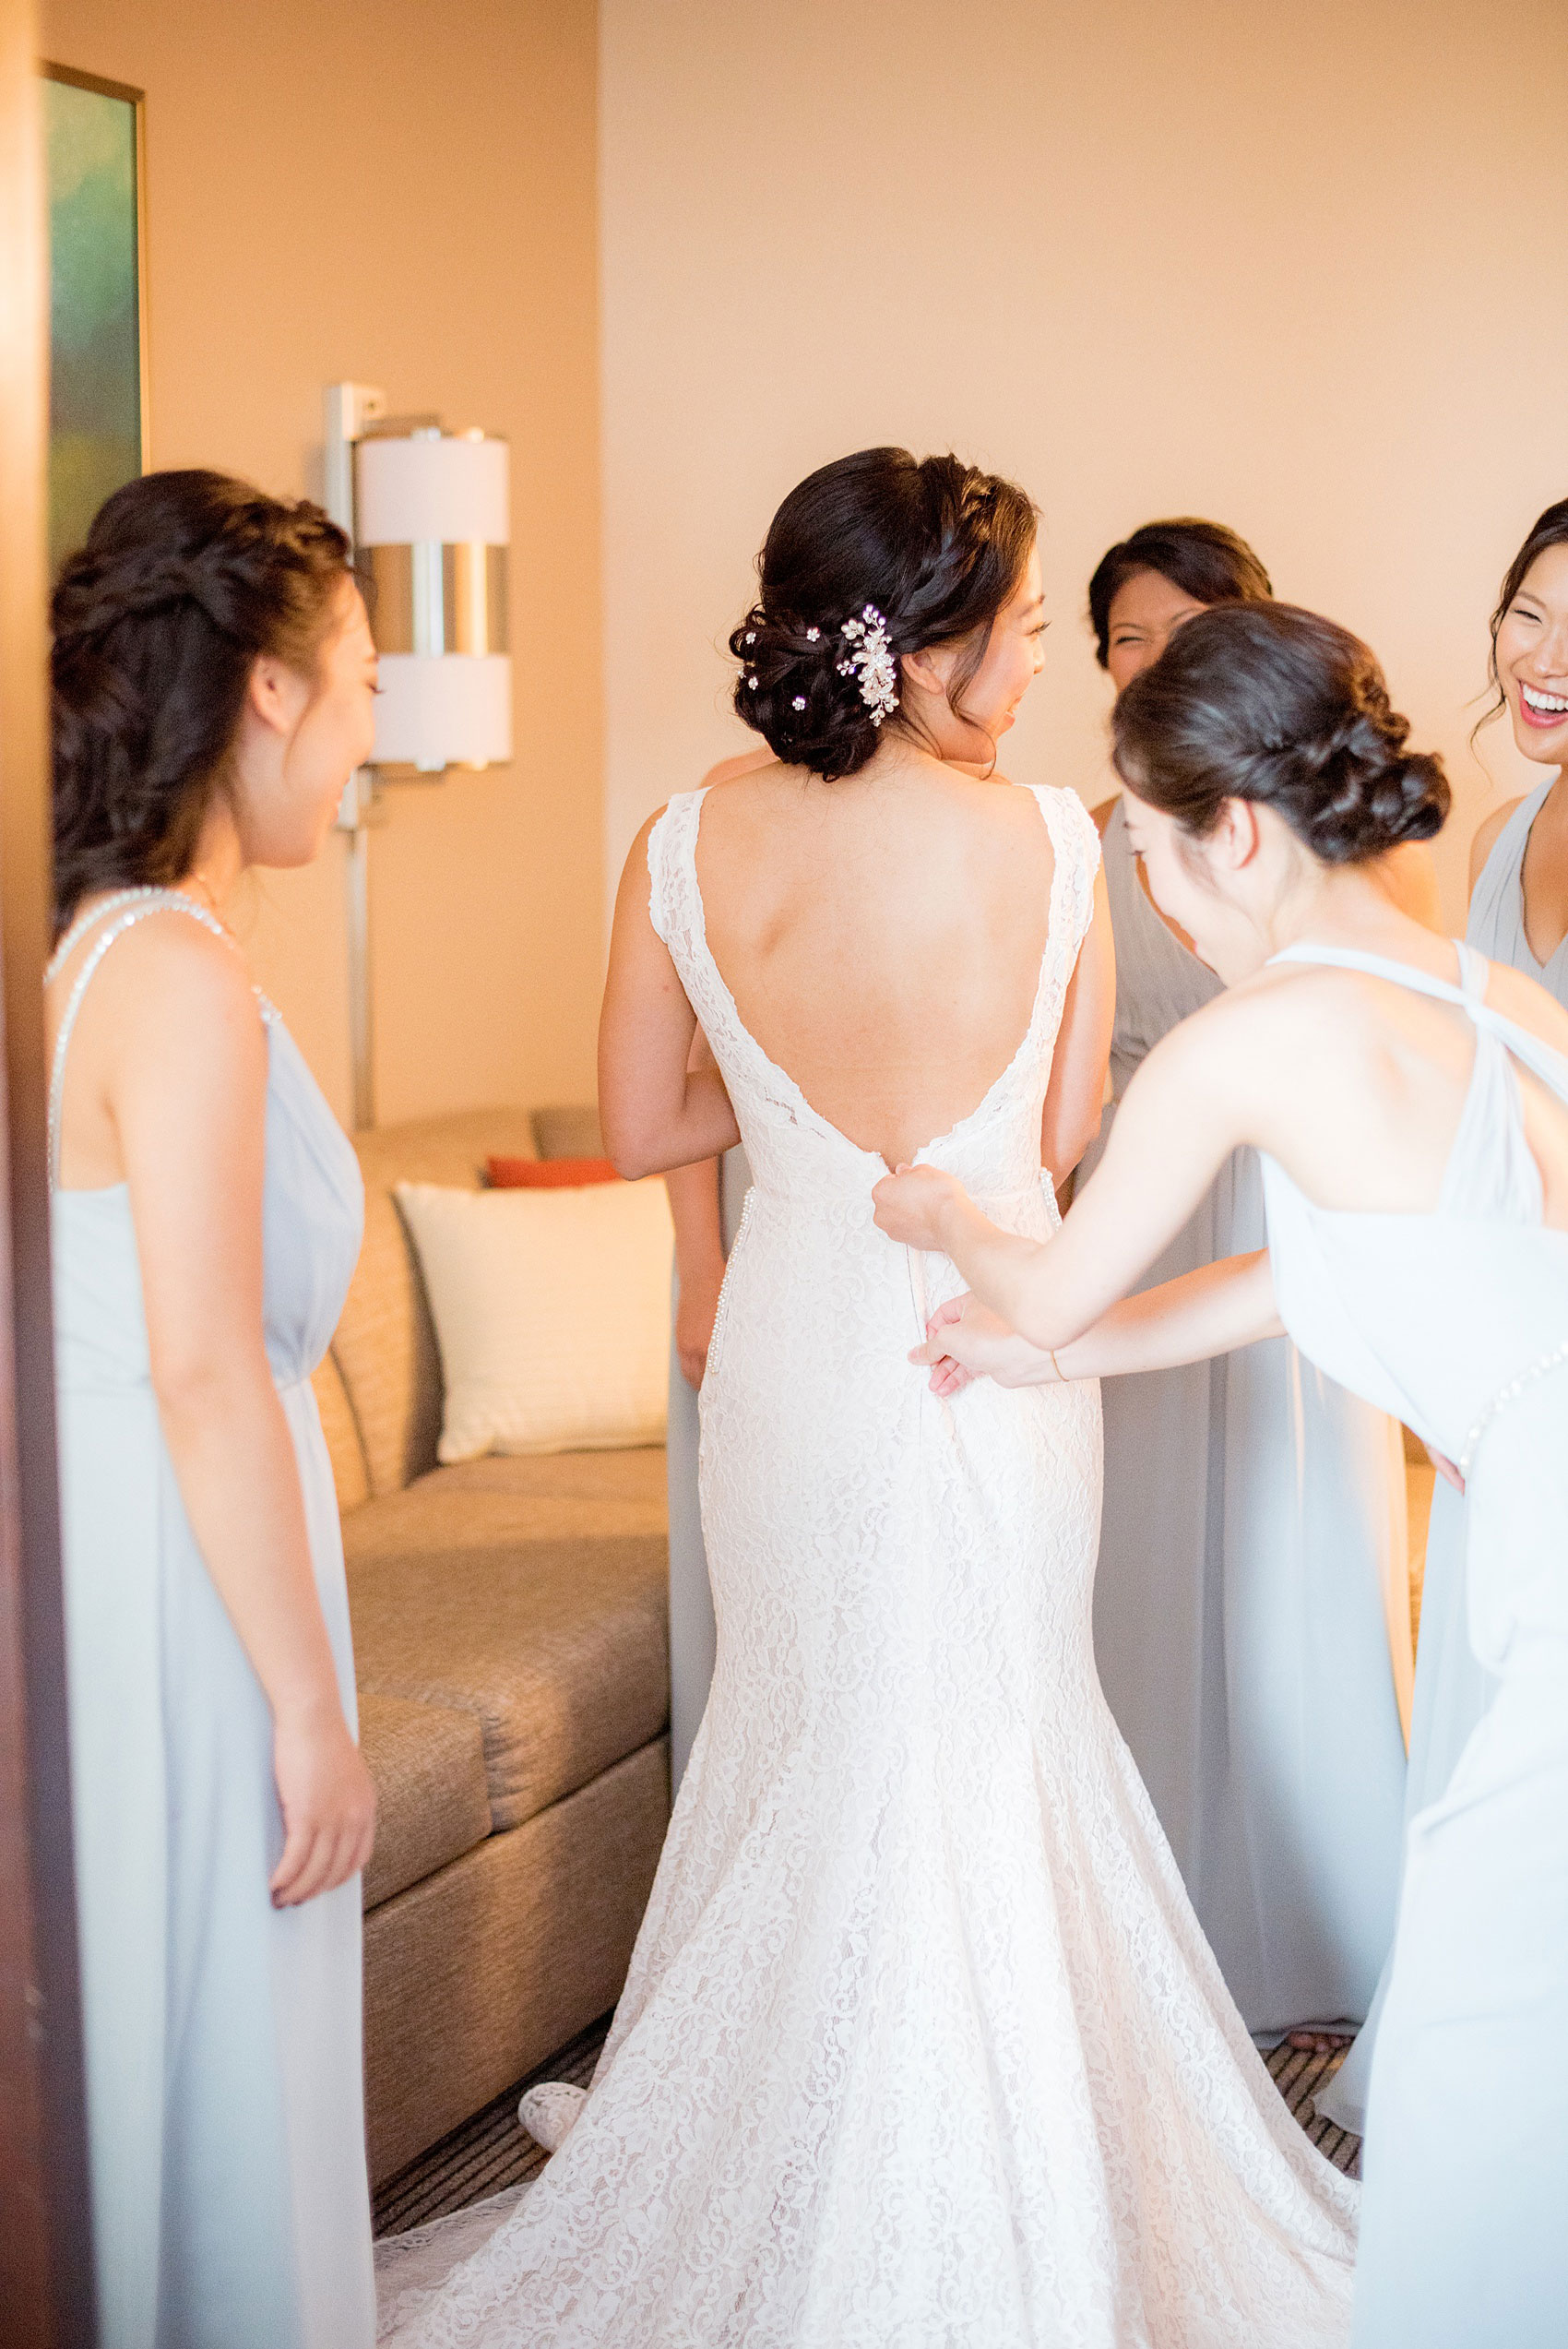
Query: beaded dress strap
x=86 y=922
x=133 y=905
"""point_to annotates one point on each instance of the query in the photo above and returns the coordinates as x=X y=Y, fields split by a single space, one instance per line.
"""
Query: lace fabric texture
x=921 y=2046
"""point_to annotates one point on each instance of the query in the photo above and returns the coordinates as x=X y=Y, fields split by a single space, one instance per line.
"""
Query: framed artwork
x=98 y=417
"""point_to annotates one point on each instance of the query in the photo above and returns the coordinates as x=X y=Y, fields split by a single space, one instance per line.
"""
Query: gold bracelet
x=1062 y=1380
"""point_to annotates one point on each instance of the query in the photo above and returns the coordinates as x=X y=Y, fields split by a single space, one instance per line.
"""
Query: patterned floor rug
x=492 y=2151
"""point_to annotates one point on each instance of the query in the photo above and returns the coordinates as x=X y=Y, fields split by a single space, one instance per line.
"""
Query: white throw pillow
x=552 y=1312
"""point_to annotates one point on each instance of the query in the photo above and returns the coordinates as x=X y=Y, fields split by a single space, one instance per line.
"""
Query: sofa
x=511 y=1646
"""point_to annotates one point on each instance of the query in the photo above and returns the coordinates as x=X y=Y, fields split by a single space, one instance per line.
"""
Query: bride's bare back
x=883 y=938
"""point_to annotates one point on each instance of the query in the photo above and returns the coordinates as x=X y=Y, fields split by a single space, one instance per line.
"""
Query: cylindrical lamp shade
x=451 y=487
x=446 y=709
x=433 y=515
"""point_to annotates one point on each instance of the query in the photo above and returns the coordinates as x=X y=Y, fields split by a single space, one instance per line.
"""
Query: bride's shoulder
x=744 y=762
x=1068 y=821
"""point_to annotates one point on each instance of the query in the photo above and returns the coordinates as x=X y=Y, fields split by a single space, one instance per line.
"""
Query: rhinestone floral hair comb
x=869 y=659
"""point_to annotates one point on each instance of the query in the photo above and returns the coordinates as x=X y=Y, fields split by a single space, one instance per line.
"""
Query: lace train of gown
x=922 y=2043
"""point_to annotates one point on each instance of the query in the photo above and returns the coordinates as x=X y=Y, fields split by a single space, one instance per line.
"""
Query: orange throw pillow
x=547 y=1173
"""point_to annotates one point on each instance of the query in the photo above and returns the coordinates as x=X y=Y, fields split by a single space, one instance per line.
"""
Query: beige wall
x=1294 y=267
x=403 y=193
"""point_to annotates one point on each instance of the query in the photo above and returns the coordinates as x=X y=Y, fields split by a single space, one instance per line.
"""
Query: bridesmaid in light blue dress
x=1254 y=1525
x=1529 y=641
x=207 y=1218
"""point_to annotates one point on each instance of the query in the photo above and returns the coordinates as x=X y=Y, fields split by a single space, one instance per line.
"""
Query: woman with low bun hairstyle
x=1518 y=915
x=921 y=2040
x=1410 y=1100
x=213 y=679
x=1252 y=1557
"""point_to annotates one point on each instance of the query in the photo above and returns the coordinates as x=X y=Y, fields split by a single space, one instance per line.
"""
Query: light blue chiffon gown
x=1458 y=1322
x=1254 y=1522
x=1452 y=1688
x=225 y=2104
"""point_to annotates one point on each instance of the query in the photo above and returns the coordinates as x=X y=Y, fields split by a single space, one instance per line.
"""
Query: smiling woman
x=1519 y=862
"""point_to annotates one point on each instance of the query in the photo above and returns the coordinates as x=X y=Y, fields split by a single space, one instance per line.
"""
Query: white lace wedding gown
x=922 y=2044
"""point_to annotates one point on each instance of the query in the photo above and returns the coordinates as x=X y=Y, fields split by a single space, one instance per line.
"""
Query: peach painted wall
x=1295 y=267
x=402 y=194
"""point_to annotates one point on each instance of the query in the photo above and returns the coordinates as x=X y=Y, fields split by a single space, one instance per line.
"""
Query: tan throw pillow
x=552 y=1309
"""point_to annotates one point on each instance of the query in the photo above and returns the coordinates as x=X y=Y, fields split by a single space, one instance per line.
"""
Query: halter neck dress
x=1456 y=1321
x=1253 y=1528
x=1452 y=1689
x=225 y=2105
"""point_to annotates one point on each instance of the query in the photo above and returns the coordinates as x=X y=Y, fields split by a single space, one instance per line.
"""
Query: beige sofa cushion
x=431 y=1801
x=487 y=1504
x=560 y=1647
x=350 y=1477
x=552 y=1312
x=384 y=1344
x=568 y=1133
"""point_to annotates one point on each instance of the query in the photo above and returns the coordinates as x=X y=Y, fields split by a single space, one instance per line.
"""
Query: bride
x=1415 y=1134
x=922 y=2043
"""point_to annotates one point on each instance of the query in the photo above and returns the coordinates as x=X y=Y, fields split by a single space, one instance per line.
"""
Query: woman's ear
x=923 y=669
x=1236 y=840
x=276 y=695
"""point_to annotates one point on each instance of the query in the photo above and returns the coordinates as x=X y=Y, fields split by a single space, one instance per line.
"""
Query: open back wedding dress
x=922 y=2044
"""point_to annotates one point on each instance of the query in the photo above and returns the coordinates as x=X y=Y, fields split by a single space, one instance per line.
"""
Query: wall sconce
x=429 y=513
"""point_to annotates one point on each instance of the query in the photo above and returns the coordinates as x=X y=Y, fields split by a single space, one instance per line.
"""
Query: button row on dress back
x=1555 y=1358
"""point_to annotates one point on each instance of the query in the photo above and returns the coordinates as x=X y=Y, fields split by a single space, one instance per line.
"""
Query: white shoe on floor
x=549 y=2111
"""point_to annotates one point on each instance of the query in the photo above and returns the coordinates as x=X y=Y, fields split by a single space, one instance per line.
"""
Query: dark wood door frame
x=46 y=2298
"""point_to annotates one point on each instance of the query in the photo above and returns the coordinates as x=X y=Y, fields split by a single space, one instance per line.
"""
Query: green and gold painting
x=96 y=419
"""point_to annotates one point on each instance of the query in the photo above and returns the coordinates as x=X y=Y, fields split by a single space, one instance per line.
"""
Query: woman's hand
x=696 y=1307
x=327 y=1800
x=966 y=1340
x=911 y=1203
x=1446 y=1468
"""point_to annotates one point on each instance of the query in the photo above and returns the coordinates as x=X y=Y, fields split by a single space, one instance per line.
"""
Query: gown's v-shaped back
x=921 y=2046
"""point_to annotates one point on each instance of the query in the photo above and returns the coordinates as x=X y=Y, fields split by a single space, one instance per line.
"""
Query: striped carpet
x=492 y=2151
x=487 y=2153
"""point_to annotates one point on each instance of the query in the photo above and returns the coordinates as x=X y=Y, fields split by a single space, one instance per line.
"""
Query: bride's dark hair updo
x=935 y=546
x=186 y=580
x=1266 y=702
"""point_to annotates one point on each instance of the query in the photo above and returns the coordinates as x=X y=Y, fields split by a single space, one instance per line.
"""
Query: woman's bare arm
x=187 y=1061
x=655 y=1111
x=1210 y=1311
x=1076 y=1091
x=699 y=1262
